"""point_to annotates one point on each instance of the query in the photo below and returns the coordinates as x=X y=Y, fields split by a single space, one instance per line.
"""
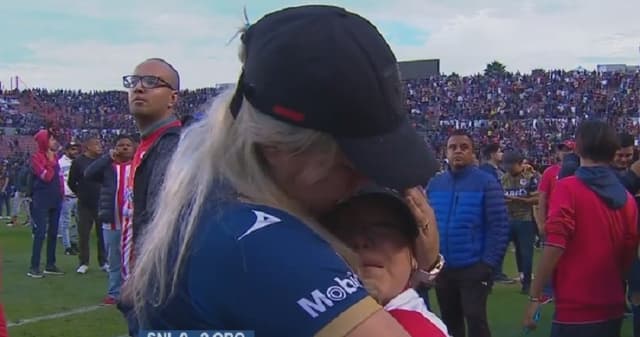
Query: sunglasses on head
x=147 y=82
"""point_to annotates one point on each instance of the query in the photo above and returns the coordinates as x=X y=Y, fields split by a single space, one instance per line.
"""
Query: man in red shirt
x=591 y=240
x=548 y=181
x=546 y=186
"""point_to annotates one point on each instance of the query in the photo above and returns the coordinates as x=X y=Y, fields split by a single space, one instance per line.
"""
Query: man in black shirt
x=88 y=193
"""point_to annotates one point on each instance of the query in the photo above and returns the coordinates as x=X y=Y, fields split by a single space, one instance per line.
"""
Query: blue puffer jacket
x=472 y=217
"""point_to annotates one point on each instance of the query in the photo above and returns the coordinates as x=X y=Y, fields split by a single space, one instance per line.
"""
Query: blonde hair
x=218 y=149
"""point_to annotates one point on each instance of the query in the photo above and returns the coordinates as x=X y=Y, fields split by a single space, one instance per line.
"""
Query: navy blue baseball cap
x=326 y=69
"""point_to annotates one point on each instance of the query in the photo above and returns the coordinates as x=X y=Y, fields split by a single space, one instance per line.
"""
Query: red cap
x=568 y=144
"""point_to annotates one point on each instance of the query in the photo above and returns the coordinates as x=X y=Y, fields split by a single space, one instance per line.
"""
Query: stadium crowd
x=529 y=112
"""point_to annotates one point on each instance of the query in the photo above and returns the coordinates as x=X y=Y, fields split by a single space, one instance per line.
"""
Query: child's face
x=386 y=255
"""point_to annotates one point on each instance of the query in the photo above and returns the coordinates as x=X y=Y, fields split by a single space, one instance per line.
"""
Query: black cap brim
x=399 y=160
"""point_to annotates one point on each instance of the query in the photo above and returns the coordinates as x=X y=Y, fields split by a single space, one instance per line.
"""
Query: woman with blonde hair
x=235 y=244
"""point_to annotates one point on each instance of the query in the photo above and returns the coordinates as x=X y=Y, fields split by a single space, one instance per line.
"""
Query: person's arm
x=380 y=324
x=75 y=175
x=95 y=170
x=531 y=200
x=43 y=168
x=496 y=224
x=542 y=211
x=427 y=244
x=559 y=229
x=550 y=257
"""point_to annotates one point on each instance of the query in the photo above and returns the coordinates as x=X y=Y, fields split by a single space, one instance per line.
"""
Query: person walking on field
x=112 y=171
x=88 y=193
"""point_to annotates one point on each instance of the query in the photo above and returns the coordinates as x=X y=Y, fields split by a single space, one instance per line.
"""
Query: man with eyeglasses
x=153 y=96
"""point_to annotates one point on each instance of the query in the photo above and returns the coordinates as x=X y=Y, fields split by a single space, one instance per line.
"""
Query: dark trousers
x=523 y=234
x=45 y=221
x=462 y=295
x=88 y=218
x=4 y=203
x=611 y=328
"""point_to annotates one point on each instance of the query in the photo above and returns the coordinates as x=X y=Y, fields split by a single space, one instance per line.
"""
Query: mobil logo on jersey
x=320 y=299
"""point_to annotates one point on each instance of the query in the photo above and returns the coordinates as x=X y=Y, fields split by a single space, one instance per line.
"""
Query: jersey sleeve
x=416 y=324
x=278 y=278
x=560 y=225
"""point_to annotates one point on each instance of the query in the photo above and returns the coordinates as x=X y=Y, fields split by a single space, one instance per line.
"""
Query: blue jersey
x=258 y=268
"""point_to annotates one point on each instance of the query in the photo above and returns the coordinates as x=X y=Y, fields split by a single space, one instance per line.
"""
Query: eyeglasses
x=147 y=82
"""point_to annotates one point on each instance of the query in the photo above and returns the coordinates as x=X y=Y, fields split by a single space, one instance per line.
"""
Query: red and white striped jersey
x=122 y=217
x=411 y=312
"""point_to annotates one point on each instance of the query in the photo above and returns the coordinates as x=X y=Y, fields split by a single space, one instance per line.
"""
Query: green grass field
x=25 y=298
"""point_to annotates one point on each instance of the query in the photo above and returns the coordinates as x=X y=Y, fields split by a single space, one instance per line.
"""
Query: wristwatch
x=429 y=276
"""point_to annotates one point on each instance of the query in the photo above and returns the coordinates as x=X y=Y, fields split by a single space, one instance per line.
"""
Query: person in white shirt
x=69 y=231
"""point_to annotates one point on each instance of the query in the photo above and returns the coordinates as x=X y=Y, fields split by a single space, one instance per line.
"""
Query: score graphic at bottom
x=196 y=333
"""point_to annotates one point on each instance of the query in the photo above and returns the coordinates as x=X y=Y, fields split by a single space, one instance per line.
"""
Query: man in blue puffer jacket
x=474 y=231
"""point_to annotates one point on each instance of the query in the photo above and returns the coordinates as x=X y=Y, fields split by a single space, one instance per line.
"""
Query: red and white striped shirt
x=411 y=312
x=122 y=217
x=127 y=229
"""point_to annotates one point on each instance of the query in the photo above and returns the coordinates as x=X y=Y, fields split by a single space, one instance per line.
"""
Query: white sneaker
x=105 y=267
x=82 y=269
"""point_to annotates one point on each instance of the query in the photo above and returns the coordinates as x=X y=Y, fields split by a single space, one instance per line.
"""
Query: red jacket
x=599 y=245
x=43 y=168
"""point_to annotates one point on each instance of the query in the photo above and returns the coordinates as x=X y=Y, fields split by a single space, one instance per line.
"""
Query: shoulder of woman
x=247 y=222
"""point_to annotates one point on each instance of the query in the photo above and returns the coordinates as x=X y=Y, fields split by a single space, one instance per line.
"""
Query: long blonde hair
x=218 y=149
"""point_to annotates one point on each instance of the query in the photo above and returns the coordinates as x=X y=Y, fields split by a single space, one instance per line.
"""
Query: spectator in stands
x=88 y=193
x=153 y=96
x=111 y=171
x=243 y=176
x=386 y=231
x=591 y=241
x=68 y=230
x=47 y=193
x=474 y=231
x=520 y=190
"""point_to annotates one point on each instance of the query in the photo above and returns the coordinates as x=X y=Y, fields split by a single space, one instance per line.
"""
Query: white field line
x=55 y=316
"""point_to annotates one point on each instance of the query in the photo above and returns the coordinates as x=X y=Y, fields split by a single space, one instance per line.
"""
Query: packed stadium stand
x=529 y=112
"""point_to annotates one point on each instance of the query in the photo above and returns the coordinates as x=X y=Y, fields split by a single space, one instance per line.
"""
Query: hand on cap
x=422 y=211
x=427 y=243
